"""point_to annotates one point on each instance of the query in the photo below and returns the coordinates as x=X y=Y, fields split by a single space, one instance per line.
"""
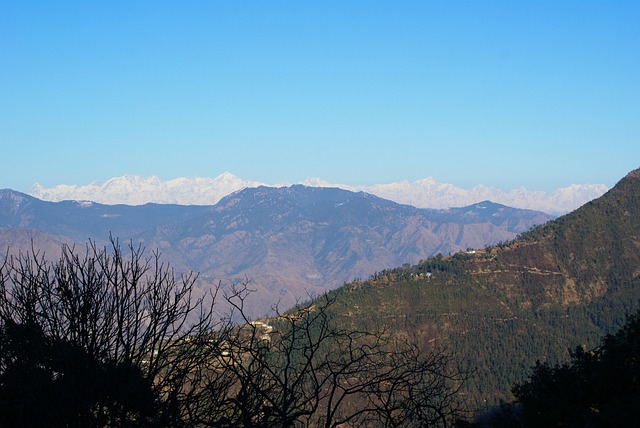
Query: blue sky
x=539 y=94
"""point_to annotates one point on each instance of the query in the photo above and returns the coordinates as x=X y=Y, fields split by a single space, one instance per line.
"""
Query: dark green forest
x=598 y=387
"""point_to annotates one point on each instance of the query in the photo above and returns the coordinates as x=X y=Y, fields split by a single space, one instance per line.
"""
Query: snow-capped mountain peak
x=137 y=190
x=423 y=193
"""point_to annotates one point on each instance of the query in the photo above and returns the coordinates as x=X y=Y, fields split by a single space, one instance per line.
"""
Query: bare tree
x=110 y=337
x=305 y=368
x=114 y=308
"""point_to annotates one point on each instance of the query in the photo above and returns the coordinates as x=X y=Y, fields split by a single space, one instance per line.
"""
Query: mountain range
x=478 y=280
x=563 y=284
x=425 y=193
x=290 y=242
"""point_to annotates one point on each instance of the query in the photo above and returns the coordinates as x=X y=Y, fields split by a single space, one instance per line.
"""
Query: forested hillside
x=560 y=285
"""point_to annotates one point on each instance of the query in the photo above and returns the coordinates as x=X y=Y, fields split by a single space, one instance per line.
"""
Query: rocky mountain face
x=289 y=242
x=563 y=284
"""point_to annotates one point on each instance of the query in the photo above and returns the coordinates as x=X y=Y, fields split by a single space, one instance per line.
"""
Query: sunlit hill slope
x=560 y=285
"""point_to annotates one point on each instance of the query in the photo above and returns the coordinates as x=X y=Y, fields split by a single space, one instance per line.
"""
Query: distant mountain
x=289 y=241
x=561 y=285
x=426 y=193
x=83 y=220
x=298 y=240
x=135 y=190
x=17 y=239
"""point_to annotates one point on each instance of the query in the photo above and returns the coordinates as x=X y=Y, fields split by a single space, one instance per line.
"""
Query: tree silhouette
x=47 y=382
x=598 y=388
x=110 y=337
x=96 y=338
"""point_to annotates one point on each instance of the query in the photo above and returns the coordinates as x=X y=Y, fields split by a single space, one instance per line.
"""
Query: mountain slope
x=295 y=241
x=82 y=220
x=289 y=241
x=586 y=253
x=563 y=284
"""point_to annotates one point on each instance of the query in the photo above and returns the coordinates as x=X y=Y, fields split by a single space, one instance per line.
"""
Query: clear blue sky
x=539 y=94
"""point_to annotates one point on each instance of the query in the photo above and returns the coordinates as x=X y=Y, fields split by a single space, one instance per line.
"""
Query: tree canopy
x=597 y=388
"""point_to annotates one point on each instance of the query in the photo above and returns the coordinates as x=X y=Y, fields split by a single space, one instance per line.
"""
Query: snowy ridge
x=425 y=193
x=136 y=190
x=428 y=193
